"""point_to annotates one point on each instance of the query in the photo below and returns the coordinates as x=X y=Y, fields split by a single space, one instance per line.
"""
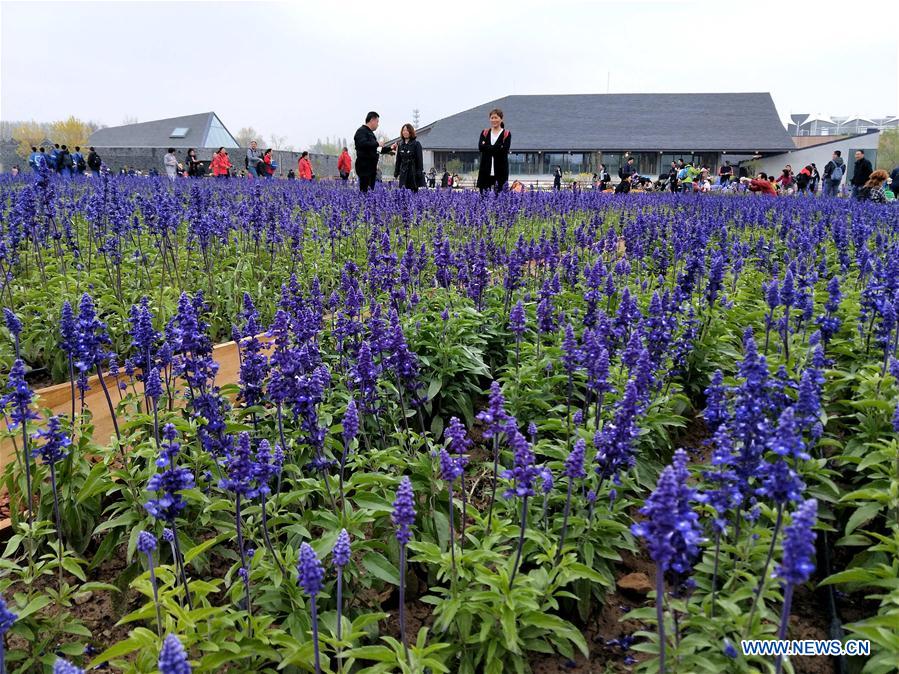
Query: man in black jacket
x=860 y=173
x=367 y=150
x=93 y=161
x=627 y=171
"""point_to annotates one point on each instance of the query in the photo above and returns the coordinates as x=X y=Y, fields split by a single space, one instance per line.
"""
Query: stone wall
x=145 y=158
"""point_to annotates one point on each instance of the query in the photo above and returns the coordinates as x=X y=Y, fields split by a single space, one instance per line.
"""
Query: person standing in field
x=304 y=167
x=494 y=144
x=221 y=164
x=368 y=149
x=170 y=162
x=344 y=165
x=254 y=158
x=409 y=169
x=861 y=173
x=834 y=171
x=93 y=161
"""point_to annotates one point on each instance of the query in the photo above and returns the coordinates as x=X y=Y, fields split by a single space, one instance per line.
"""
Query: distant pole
x=608 y=79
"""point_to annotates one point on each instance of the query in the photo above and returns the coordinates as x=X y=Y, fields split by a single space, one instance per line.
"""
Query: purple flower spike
x=310 y=571
x=65 y=667
x=341 y=551
x=404 y=511
x=172 y=657
x=146 y=542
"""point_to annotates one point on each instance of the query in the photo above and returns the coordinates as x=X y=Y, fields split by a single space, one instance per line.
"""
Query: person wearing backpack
x=833 y=174
x=65 y=162
x=494 y=144
x=32 y=159
x=78 y=161
x=53 y=159
x=93 y=161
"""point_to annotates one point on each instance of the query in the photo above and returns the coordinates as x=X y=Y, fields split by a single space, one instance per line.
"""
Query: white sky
x=312 y=69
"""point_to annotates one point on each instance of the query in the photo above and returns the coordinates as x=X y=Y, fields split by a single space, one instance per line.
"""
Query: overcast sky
x=310 y=70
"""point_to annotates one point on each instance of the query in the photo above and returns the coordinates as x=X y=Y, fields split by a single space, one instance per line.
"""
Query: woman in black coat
x=494 y=144
x=409 y=170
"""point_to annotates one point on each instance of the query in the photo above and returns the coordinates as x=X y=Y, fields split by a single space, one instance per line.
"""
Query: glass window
x=179 y=132
x=218 y=136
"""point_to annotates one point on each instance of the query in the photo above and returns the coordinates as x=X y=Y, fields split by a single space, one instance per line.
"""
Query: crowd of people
x=494 y=145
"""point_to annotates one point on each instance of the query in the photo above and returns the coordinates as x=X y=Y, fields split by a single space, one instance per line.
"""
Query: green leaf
x=380 y=567
x=862 y=515
x=203 y=547
x=34 y=606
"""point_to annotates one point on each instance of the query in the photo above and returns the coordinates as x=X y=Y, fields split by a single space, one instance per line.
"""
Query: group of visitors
x=62 y=161
x=494 y=145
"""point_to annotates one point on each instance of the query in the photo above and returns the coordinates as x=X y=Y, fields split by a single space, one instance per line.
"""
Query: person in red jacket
x=268 y=170
x=344 y=165
x=304 y=167
x=221 y=164
x=761 y=185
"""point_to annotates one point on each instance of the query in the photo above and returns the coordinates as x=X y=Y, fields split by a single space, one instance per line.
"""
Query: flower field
x=523 y=432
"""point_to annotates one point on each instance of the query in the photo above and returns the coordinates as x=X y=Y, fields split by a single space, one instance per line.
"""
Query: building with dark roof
x=580 y=131
x=204 y=130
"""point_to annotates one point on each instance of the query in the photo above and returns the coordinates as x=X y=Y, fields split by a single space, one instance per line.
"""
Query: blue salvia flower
x=517 y=320
x=7 y=620
x=341 y=551
x=830 y=323
x=172 y=657
x=267 y=465
x=896 y=419
x=62 y=666
x=571 y=353
x=403 y=516
x=495 y=416
x=241 y=469
x=14 y=325
x=56 y=442
x=716 y=412
x=614 y=443
x=20 y=397
x=798 y=563
x=253 y=361
x=574 y=462
x=68 y=336
x=170 y=482
x=799 y=545
x=459 y=442
x=780 y=483
x=341 y=557
x=144 y=336
x=310 y=574
x=153 y=386
x=350 y=422
x=671 y=528
x=450 y=470
x=547 y=482
x=310 y=570
x=92 y=338
x=787 y=441
x=523 y=471
x=146 y=542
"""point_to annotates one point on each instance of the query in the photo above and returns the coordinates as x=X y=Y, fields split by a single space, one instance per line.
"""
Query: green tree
x=29 y=134
x=888 y=150
x=72 y=132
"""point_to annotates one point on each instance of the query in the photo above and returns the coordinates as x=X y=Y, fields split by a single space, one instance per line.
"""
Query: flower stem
x=762 y=578
x=524 y=523
x=784 y=621
x=318 y=667
x=155 y=593
x=403 y=599
x=565 y=514
x=660 y=615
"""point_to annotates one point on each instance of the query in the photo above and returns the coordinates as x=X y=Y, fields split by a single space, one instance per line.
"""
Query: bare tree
x=245 y=135
x=416 y=117
x=277 y=142
x=129 y=119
